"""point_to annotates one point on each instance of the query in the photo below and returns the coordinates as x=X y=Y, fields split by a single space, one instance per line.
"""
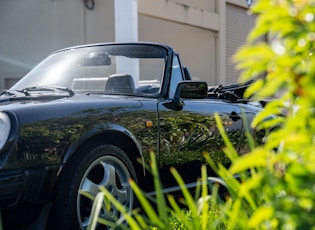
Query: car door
x=186 y=134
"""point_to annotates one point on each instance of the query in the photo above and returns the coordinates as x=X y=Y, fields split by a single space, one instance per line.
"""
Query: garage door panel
x=195 y=45
x=238 y=26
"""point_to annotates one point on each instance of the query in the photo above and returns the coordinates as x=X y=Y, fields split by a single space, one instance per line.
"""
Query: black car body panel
x=63 y=107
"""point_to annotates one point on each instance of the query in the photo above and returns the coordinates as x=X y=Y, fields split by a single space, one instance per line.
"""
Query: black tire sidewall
x=64 y=208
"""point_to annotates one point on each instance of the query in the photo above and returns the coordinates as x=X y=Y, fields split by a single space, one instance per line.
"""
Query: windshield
x=109 y=69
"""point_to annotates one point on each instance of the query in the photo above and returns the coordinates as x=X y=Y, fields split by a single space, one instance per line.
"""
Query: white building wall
x=197 y=29
x=99 y=23
x=30 y=29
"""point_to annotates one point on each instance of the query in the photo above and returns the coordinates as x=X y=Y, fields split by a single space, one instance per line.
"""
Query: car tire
x=97 y=165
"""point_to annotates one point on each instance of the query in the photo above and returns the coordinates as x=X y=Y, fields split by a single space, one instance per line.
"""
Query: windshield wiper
x=14 y=93
x=27 y=90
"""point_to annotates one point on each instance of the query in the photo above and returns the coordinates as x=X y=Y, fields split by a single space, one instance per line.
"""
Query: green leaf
x=257 y=158
x=189 y=201
x=231 y=152
x=161 y=204
x=95 y=212
x=147 y=207
x=264 y=213
x=126 y=214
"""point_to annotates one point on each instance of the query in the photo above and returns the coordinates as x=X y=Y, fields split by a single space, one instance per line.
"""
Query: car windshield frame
x=134 y=69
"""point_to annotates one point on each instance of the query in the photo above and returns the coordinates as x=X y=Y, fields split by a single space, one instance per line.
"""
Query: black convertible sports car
x=85 y=116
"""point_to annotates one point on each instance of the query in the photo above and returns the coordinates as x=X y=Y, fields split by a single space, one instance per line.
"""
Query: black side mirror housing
x=188 y=90
x=191 y=90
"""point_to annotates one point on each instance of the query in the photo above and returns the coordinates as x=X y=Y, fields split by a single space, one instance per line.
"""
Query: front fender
x=107 y=133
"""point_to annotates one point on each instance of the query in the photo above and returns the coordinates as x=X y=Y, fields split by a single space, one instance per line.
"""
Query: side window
x=176 y=76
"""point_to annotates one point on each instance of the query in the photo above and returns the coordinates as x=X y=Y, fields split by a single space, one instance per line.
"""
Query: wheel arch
x=120 y=138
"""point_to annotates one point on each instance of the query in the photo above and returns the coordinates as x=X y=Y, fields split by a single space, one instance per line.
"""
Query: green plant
x=275 y=188
x=284 y=168
x=279 y=193
x=163 y=212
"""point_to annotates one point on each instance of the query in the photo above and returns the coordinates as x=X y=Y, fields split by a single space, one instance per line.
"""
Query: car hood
x=28 y=100
x=57 y=106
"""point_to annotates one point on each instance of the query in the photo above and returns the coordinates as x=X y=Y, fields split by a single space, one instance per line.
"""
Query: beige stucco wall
x=190 y=29
x=195 y=45
x=31 y=29
x=208 y=5
x=222 y=25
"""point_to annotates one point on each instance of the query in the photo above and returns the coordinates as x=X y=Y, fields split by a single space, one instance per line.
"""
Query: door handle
x=235 y=116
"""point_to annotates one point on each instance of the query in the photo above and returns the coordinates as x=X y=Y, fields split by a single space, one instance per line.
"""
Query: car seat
x=120 y=84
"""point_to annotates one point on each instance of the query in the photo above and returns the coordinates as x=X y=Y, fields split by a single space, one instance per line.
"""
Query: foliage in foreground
x=164 y=212
x=280 y=193
x=288 y=62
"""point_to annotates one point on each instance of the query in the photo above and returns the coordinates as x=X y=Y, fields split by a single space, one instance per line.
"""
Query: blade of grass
x=190 y=202
x=204 y=215
x=178 y=213
x=231 y=153
x=126 y=214
x=95 y=212
x=161 y=203
x=147 y=207
x=86 y=194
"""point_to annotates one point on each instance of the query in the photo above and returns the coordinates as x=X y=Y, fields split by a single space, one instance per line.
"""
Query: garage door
x=238 y=26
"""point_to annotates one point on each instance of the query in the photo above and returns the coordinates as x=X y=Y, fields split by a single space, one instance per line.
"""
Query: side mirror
x=191 y=90
x=188 y=90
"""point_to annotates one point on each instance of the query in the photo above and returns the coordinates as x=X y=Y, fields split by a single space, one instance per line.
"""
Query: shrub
x=190 y=213
x=287 y=61
x=280 y=191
